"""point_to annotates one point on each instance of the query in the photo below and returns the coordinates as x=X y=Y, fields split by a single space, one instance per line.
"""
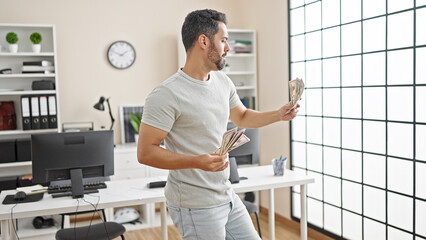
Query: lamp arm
x=110 y=114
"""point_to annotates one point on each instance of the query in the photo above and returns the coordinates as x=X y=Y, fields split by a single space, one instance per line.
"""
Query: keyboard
x=66 y=194
x=67 y=187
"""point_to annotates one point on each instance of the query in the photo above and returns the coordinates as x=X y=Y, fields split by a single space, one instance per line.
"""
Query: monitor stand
x=77 y=183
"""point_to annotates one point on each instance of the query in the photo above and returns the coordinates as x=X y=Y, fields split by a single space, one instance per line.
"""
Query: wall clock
x=121 y=54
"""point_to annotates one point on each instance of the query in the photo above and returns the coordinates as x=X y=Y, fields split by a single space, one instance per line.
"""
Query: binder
x=26 y=113
x=35 y=113
x=44 y=118
x=53 y=122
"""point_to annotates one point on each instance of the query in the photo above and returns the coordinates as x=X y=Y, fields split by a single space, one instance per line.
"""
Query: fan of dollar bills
x=232 y=139
x=296 y=87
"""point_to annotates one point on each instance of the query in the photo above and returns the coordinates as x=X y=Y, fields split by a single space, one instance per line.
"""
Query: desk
x=134 y=192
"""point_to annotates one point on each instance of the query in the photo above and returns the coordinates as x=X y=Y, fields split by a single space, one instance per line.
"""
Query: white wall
x=85 y=29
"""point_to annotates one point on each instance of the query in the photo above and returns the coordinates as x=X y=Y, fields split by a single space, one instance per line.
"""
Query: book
x=43 y=72
x=240 y=46
x=37 y=68
x=245 y=101
x=37 y=63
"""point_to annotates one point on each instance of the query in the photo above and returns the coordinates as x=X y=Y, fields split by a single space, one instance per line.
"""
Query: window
x=362 y=125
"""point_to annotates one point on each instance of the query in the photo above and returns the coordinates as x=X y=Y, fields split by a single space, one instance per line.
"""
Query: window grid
x=386 y=122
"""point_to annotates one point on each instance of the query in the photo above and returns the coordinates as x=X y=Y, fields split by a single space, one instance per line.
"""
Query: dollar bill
x=296 y=87
x=232 y=139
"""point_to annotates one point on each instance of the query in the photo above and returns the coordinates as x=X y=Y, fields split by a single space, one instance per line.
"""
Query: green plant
x=12 y=38
x=135 y=120
x=35 y=38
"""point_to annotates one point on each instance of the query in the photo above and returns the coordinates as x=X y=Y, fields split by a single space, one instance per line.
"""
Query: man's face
x=219 y=47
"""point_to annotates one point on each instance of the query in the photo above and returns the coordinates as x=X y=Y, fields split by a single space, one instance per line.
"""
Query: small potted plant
x=135 y=121
x=12 y=39
x=35 y=38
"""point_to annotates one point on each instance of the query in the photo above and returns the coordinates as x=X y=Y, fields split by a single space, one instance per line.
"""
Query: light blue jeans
x=229 y=221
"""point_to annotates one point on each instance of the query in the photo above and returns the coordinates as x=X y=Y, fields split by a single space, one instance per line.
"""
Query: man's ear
x=203 y=41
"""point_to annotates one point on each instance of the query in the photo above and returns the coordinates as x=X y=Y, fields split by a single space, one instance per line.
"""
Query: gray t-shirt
x=195 y=114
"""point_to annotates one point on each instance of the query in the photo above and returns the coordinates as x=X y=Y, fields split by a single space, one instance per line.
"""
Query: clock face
x=121 y=54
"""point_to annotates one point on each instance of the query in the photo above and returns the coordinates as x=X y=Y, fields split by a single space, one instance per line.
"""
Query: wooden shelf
x=29 y=92
x=240 y=73
x=240 y=55
x=15 y=132
x=15 y=164
x=27 y=54
x=245 y=88
x=27 y=230
x=30 y=75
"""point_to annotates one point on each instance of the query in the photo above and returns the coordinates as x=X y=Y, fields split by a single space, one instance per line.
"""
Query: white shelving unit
x=126 y=166
x=242 y=66
x=15 y=85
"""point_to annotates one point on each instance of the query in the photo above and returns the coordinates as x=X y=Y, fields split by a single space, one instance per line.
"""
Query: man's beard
x=215 y=57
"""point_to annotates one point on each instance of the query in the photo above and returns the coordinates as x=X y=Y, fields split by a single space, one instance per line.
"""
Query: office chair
x=235 y=178
x=100 y=231
x=253 y=208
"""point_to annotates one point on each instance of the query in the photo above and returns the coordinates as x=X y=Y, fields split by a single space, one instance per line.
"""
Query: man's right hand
x=213 y=162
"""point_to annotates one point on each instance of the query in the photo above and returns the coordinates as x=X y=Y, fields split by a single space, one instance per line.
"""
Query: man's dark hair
x=201 y=22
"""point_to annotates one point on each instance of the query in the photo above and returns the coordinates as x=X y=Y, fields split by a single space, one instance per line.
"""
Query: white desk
x=134 y=192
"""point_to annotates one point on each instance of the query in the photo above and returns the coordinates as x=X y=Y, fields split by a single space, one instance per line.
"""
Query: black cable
x=75 y=219
x=11 y=219
x=95 y=209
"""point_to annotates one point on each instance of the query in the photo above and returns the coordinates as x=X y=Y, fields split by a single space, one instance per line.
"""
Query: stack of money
x=232 y=139
x=296 y=87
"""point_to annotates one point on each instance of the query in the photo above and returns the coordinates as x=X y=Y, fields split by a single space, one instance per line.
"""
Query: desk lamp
x=100 y=106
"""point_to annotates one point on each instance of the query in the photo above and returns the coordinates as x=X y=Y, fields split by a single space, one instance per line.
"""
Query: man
x=190 y=111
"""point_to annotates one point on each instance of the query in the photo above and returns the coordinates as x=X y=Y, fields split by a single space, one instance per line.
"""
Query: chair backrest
x=234 y=177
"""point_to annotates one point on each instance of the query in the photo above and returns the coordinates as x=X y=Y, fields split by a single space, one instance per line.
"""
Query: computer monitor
x=72 y=155
x=249 y=152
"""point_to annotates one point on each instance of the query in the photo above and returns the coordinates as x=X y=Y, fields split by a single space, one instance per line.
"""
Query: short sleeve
x=234 y=99
x=160 y=109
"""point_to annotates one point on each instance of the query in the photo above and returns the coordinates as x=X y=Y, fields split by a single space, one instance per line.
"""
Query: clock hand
x=115 y=52
x=124 y=53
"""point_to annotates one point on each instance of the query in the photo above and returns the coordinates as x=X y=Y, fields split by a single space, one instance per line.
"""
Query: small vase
x=13 y=48
x=136 y=138
x=36 y=48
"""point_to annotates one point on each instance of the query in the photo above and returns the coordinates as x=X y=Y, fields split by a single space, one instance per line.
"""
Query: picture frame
x=127 y=131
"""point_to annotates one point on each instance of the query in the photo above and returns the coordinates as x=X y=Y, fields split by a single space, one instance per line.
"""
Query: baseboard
x=295 y=225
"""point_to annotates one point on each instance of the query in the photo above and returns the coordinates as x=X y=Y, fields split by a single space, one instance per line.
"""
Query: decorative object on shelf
x=12 y=39
x=121 y=54
x=77 y=126
x=227 y=67
x=100 y=106
x=126 y=215
x=128 y=132
x=7 y=116
x=135 y=120
x=42 y=85
x=6 y=71
x=240 y=46
x=36 y=38
x=41 y=66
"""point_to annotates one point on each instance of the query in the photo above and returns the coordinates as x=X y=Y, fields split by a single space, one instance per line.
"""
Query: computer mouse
x=19 y=196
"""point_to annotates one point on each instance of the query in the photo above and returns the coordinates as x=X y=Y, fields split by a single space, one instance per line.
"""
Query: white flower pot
x=36 y=48
x=136 y=138
x=13 y=48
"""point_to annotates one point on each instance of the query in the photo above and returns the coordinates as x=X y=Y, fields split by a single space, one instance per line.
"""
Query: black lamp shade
x=100 y=104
